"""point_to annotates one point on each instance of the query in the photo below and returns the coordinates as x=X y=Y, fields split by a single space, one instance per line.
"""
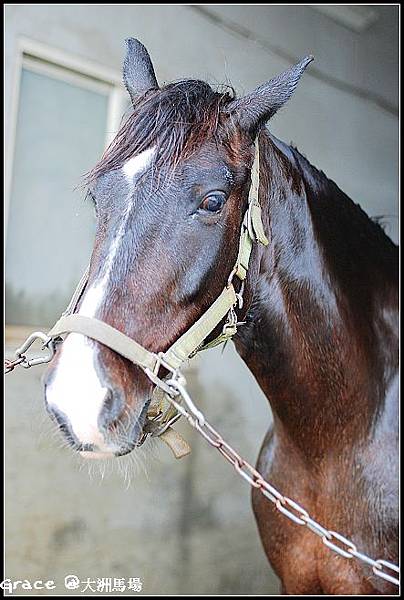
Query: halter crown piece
x=192 y=341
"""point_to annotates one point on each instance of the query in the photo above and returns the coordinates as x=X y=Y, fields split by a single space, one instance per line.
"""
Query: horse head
x=170 y=194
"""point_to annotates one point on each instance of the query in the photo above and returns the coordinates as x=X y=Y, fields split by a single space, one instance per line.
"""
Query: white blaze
x=138 y=164
x=75 y=389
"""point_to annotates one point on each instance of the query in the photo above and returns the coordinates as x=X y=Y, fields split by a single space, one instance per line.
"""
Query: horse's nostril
x=108 y=402
x=111 y=409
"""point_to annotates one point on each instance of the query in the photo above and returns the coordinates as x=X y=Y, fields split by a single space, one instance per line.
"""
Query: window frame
x=70 y=68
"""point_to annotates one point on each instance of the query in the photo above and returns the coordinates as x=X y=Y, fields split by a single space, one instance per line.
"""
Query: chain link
x=9 y=365
x=288 y=507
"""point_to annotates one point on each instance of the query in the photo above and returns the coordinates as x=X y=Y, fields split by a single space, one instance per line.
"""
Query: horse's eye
x=213 y=202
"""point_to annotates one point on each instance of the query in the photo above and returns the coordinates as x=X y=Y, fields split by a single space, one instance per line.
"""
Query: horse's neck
x=319 y=335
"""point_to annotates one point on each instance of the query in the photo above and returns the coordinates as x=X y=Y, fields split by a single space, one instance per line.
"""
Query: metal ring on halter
x=161 y=362
x=231 y=276
x=158 y=382
x=173 y=383
x=239 y=295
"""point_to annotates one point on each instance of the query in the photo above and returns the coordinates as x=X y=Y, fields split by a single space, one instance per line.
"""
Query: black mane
x=354 y=242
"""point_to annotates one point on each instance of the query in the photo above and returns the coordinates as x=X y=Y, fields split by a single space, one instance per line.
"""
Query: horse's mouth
x=120 y=438
x=93 y=452
x=137 y=436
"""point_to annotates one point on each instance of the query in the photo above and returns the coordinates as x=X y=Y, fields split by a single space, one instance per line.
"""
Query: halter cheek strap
x=193 y=340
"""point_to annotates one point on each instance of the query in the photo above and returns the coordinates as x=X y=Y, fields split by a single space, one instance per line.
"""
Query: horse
x=320 y=312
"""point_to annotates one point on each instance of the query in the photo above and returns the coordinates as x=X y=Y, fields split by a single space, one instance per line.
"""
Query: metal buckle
x=239 y=295
x=230 y=327
x=157 y=426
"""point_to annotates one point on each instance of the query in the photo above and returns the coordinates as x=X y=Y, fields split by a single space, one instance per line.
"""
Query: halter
x=193 y=340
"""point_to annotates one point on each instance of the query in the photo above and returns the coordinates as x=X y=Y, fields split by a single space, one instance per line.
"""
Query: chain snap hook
x=47 y=344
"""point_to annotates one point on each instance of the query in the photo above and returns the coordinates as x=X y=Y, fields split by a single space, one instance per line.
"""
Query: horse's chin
x=97 y=455
x=109 y=454
x=105 y=455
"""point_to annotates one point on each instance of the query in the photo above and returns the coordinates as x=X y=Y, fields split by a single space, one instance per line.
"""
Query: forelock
x=176 y=119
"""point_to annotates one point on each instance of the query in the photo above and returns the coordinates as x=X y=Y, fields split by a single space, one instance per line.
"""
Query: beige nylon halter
x=192 y=341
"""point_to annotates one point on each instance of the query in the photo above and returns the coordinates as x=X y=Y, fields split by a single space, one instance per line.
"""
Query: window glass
x=60 y=134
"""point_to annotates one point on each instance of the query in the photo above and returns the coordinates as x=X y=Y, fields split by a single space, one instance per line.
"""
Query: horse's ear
x=261 y=104
x=138 y=72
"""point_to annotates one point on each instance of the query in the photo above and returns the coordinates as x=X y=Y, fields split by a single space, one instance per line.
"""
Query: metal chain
x=176 y=387
x=288 y=507
x=9 y=365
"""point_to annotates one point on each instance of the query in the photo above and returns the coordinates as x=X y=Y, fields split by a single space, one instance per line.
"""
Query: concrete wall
x=190 y=528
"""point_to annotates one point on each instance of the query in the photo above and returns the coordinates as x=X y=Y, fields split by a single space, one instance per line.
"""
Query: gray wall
x=190 y=529
x=183 y=527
